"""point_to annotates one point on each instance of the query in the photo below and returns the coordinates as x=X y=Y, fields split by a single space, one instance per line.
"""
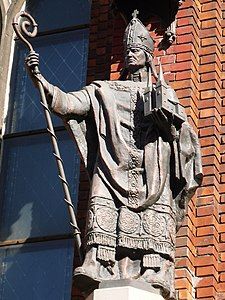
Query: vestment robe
x=140 y=182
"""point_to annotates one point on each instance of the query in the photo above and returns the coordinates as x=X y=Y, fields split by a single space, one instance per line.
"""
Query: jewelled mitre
x=137 y=36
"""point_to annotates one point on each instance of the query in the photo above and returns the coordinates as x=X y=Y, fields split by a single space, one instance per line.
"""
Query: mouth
x=130 y=60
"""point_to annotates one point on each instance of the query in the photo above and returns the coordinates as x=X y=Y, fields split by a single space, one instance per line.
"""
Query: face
x=135 y=59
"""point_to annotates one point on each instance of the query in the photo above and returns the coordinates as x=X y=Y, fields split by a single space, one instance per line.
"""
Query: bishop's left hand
x=163 y=123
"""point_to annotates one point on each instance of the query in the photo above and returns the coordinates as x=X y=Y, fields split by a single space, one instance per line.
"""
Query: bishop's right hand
x=32 y=65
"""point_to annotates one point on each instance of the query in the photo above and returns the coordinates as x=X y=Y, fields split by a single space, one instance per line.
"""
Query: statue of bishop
x=144 y=164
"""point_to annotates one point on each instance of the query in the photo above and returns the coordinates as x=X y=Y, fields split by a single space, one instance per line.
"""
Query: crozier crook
x=22 y=31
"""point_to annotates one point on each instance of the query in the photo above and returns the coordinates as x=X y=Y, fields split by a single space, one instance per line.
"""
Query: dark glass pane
x=58 y=14
x=31 y=195
x=63 y=61
x=37 y=271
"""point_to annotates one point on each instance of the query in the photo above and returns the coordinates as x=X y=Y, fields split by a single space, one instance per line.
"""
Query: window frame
x=58 y=129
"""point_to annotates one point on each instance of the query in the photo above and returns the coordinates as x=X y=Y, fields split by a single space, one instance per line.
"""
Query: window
x=35 y=235
x=36 y=271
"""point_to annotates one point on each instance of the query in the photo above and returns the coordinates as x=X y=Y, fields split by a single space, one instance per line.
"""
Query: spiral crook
x=21 y=28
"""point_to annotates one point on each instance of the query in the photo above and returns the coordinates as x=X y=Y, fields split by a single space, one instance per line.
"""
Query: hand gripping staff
x=21 y=30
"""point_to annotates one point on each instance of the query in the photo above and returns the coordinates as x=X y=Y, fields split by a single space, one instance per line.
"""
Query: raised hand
x=32 y=61
x=32 y=64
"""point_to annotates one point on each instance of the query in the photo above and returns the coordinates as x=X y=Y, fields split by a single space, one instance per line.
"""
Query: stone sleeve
x=64 y=104
x=74 y=103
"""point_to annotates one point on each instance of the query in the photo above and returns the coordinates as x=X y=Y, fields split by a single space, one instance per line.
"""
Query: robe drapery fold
x=94 y=116
x=140 y=182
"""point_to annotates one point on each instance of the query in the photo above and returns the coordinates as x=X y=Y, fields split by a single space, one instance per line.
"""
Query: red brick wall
x=221 y=229
x=194 y=66
x=186 y=84
x=208 y=205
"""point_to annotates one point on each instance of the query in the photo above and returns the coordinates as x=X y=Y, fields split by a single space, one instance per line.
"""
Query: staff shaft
x=60 y=166
x=21 y=30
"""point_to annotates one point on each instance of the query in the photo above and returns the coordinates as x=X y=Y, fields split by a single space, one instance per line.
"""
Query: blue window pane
x=31 y=194
x=58 y=14
x=37 y=271
x=63 y=61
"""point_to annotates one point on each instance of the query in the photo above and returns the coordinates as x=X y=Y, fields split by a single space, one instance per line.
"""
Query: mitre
x=137 y=36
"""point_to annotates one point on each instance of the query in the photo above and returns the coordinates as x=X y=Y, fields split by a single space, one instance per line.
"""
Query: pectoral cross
x=135 y=13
